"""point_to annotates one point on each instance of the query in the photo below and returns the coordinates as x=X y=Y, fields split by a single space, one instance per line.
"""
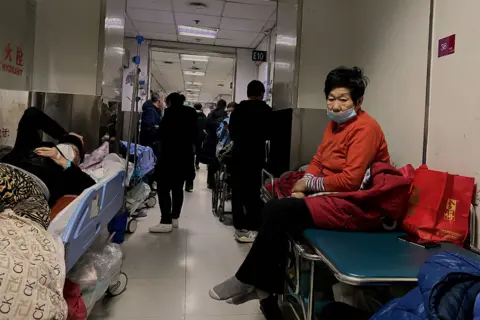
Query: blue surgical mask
x=341 y=117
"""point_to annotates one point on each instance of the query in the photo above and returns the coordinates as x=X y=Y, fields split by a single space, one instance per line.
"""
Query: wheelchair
x=222 y=191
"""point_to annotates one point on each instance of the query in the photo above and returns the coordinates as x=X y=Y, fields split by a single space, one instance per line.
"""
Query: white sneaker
x=175 y=223
x=245 y=237
x=161 y=228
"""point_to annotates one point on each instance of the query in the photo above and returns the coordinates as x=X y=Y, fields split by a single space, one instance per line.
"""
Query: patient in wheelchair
x=35 y=174
x=352 y=153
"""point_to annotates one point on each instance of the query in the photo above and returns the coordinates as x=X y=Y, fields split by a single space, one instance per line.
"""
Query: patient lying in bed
x=33 y=176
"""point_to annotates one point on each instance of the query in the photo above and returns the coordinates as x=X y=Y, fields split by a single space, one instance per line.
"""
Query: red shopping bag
x=439 y=206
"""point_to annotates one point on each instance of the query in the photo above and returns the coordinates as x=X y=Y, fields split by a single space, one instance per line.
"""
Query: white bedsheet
x=111 y=165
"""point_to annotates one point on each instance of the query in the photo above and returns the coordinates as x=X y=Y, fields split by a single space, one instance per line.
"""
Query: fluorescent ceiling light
x=193 y=83
x=197 y=32
x=196 y=90
x=191 y=57
x=194 y=73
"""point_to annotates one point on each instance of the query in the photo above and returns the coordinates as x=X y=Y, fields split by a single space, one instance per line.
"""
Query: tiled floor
x=170 y=274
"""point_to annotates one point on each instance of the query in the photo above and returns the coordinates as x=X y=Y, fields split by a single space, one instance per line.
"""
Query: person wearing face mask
x=35 y=174
x=353 y=142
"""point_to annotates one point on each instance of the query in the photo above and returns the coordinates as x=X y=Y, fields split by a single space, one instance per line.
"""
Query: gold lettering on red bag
x=449 y=214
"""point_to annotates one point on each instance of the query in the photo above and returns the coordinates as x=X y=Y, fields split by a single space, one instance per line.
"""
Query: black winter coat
x=59 y=182
x=209 y=148
x=178 y=134
x=249 y=127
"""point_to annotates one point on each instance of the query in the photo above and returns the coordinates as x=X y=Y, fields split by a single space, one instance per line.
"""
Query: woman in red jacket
x=351 y=143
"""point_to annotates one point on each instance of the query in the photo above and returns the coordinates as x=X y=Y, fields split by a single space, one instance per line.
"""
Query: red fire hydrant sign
x=446 y=46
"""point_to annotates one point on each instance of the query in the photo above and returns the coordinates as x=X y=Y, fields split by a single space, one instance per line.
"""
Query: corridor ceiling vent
x=197 y=32
x=198 y=5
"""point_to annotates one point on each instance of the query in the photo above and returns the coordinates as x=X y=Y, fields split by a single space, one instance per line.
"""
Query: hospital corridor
x=170 y=274
x=239 y=160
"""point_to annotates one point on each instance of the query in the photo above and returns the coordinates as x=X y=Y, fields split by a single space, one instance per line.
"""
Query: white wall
x=389 y=40
x=326 y=43
x=454 y=126
x=392 y=47
x=246 y=72
x=17 y=30
x=66 y=46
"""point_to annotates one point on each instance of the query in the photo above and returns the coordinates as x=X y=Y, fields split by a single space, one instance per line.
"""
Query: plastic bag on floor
x=95 y=271
x=138 y=194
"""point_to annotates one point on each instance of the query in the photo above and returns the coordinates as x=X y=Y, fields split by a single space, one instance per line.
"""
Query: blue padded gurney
x=97 y=206
x=362 y=259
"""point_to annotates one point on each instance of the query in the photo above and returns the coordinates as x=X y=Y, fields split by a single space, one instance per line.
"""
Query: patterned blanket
x=32 y=271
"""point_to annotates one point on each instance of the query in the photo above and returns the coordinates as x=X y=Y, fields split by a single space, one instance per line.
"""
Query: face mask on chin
x=341 y=117
x=67 y=151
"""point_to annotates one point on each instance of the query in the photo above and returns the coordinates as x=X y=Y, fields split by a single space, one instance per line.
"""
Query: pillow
x=95 y=157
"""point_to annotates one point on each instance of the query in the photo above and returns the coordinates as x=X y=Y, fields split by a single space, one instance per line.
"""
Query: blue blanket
x=448 y=286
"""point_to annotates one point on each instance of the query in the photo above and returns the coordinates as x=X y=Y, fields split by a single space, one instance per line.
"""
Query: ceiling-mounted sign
x=259 y=56
x=446 y=46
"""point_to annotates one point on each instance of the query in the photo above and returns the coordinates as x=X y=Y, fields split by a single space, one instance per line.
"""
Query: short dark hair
x=221 y=103
x=255 y=89
x=155 y=98
x=232 y=105
x=175 y=99
x=198 y=106
x=350 y=78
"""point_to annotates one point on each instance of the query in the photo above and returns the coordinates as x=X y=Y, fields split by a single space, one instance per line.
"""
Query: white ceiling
x=241 y=23
x=170 y=76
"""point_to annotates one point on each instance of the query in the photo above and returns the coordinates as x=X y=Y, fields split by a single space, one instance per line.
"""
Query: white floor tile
x=170 y=274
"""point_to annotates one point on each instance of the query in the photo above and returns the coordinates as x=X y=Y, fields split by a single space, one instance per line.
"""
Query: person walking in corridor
x=177 y=133
x=249 y=123
x=201 y=125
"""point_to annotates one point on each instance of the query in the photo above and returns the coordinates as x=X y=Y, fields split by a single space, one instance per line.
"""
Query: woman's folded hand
x=298 y=195
x=300 y=186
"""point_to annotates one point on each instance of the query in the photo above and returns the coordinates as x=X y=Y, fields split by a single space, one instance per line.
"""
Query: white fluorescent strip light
x=193 y=83
x=191 y=57
x=194 y=73
x=196 y=90
x=197 y=32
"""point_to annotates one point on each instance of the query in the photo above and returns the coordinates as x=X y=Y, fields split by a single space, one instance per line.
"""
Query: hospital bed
x=354 y=258
x=81 y=222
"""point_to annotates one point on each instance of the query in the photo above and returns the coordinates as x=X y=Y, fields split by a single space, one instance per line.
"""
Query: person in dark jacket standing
x=214 y=120
x=35 y=174
x=248 y=126
x=201 y=125
x=151 y=117
x=178 y=134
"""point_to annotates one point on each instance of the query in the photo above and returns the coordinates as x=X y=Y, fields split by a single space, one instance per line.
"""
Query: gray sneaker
x=245 y=236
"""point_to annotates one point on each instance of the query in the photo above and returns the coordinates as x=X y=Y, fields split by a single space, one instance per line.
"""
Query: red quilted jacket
x=359 y=210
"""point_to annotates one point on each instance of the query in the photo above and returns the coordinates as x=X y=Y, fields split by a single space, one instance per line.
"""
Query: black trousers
x=212 y=168
x=170 y=196
x=264 y=267
x=246 y=202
